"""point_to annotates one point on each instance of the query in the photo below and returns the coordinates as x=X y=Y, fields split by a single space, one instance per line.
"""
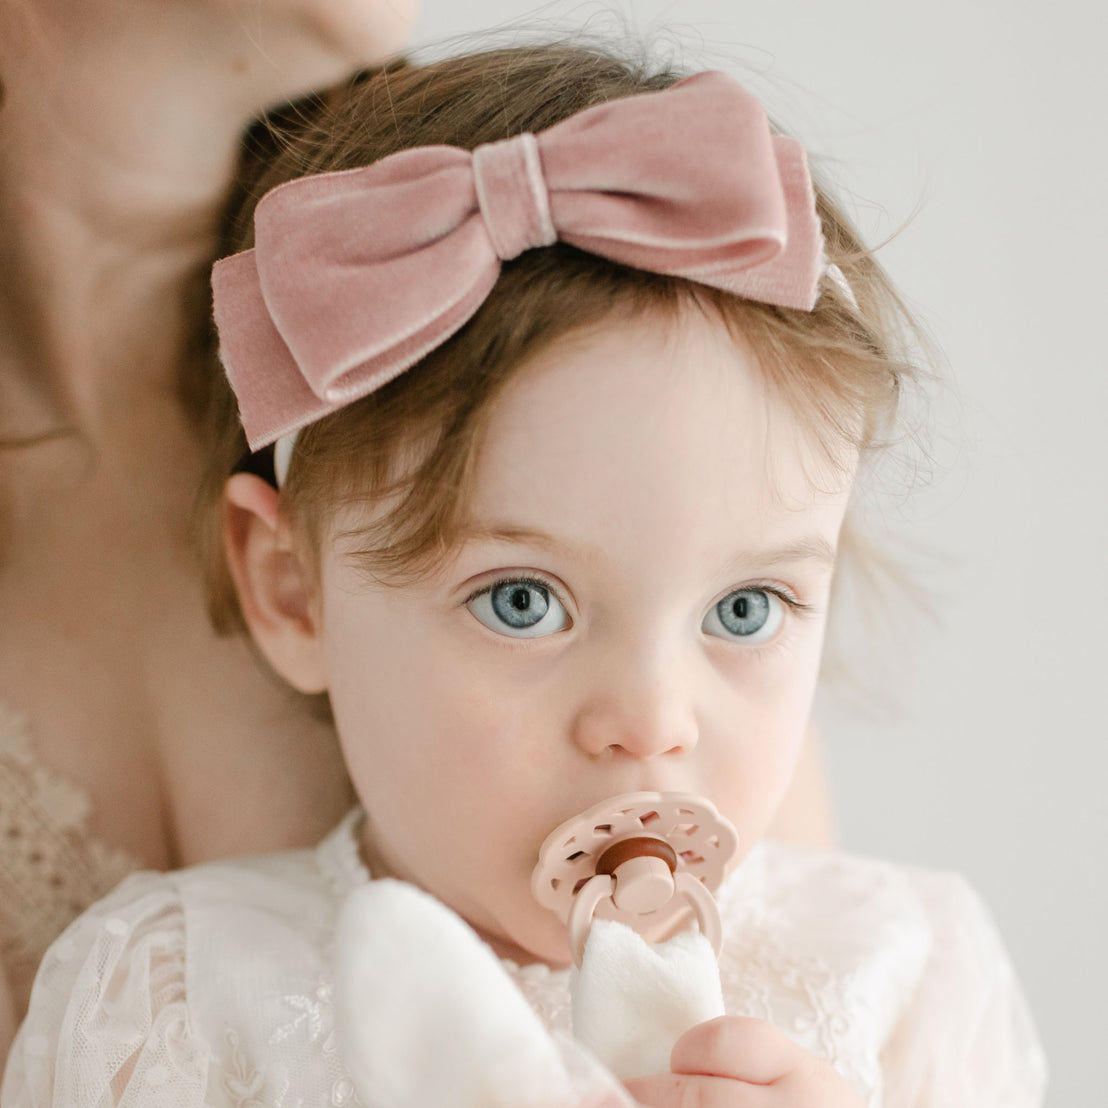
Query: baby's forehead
x=662 y=397
x=617 y=437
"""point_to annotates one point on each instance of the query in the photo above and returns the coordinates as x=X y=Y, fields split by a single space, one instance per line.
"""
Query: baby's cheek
x=749 y=780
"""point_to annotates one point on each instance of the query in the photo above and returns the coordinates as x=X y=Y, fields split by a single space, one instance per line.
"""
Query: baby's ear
x=276 y=589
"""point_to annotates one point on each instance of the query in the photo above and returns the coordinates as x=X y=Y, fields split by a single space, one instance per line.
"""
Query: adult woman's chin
x=363 y=31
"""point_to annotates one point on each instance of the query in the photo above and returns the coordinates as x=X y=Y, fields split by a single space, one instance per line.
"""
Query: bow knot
x=512 y=196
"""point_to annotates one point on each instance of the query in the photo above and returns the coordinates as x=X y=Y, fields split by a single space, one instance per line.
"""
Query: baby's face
x=639 y=604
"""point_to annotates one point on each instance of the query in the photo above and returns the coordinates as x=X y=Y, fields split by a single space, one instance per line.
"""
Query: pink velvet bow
x=356 y=275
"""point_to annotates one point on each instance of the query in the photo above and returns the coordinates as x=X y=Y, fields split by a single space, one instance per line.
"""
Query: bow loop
x=356 y=275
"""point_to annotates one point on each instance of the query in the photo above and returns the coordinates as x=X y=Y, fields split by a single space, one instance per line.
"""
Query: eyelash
x=517 y=579
x=785 y=596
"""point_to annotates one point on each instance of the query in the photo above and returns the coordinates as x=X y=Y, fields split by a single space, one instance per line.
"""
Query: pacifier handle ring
x=705 y=907
x=585 y=903
x=597 y=888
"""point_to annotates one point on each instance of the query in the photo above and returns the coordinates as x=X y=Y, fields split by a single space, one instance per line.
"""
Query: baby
x=554 y=374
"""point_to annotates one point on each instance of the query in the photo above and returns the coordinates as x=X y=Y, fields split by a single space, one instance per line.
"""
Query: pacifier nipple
x=645 y=859
x=642 y=873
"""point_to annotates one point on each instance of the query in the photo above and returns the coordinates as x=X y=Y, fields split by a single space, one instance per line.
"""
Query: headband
x=356 y=275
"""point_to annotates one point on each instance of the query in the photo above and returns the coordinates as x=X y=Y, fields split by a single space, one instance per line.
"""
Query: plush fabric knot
x=512 y=195
x=356 y=275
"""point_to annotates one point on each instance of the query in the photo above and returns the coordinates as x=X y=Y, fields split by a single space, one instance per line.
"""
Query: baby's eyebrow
x=505 y=532
x=810 y=548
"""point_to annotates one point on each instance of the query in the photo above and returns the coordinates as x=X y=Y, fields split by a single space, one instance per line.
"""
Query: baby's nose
x=641 y=720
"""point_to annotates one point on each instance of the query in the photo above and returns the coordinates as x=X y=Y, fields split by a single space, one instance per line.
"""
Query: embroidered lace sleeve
x=966 y=1039
x=108 y=1023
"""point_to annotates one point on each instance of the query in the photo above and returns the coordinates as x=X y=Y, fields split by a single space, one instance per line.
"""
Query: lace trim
x=547 y=991
x=51 y=867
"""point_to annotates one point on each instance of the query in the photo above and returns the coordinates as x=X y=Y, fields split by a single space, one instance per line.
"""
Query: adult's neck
x=119 y=127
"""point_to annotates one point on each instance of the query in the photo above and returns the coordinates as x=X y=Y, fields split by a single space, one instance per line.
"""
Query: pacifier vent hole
x=555 y=882
x=648 y=818
x=713 y=841
x=691 y=858
x=575 y=855
x=686 y=829
x=602 y=829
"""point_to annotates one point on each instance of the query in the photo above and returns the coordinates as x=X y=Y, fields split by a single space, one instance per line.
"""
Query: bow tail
x=273 y=400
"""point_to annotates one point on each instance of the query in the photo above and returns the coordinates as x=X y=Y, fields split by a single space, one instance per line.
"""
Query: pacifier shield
x=701 y=839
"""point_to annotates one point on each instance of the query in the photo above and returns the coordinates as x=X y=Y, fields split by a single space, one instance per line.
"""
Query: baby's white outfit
x=213 y=986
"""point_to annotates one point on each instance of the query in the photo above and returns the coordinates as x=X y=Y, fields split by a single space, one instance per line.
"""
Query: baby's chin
x=503 y=913
x=524 y=934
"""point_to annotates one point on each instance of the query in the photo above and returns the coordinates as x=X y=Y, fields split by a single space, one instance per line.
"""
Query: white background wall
x=975 y=128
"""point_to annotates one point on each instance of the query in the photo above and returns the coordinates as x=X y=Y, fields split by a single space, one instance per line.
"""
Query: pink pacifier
x=644 y=859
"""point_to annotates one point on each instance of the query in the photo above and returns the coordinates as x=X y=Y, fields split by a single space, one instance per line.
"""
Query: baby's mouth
x=643 y=858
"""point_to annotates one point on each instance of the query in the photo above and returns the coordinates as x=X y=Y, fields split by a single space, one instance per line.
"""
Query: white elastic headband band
x=282 y=456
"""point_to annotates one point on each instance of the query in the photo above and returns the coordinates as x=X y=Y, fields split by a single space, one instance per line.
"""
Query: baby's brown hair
x=414 y=441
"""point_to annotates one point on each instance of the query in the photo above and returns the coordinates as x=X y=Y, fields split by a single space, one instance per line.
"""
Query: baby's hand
x=732 y=1062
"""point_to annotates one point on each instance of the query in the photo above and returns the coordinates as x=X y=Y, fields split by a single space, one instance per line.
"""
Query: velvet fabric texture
x=356 y=275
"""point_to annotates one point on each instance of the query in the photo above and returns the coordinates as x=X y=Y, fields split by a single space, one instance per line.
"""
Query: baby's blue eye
x=749 y=615
x=521 y=609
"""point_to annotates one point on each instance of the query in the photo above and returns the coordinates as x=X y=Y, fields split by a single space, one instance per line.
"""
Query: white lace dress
x=212 y=986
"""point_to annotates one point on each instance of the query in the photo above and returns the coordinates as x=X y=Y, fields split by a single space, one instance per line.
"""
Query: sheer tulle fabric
x=213 y=986
x=110 y=1017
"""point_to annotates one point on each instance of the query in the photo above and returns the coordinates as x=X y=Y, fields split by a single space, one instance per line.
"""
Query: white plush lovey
x=427 y=1017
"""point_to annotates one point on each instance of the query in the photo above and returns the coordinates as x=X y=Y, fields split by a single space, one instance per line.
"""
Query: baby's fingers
x=681 y=1090
x=743 y=1049
x=733 y=1062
